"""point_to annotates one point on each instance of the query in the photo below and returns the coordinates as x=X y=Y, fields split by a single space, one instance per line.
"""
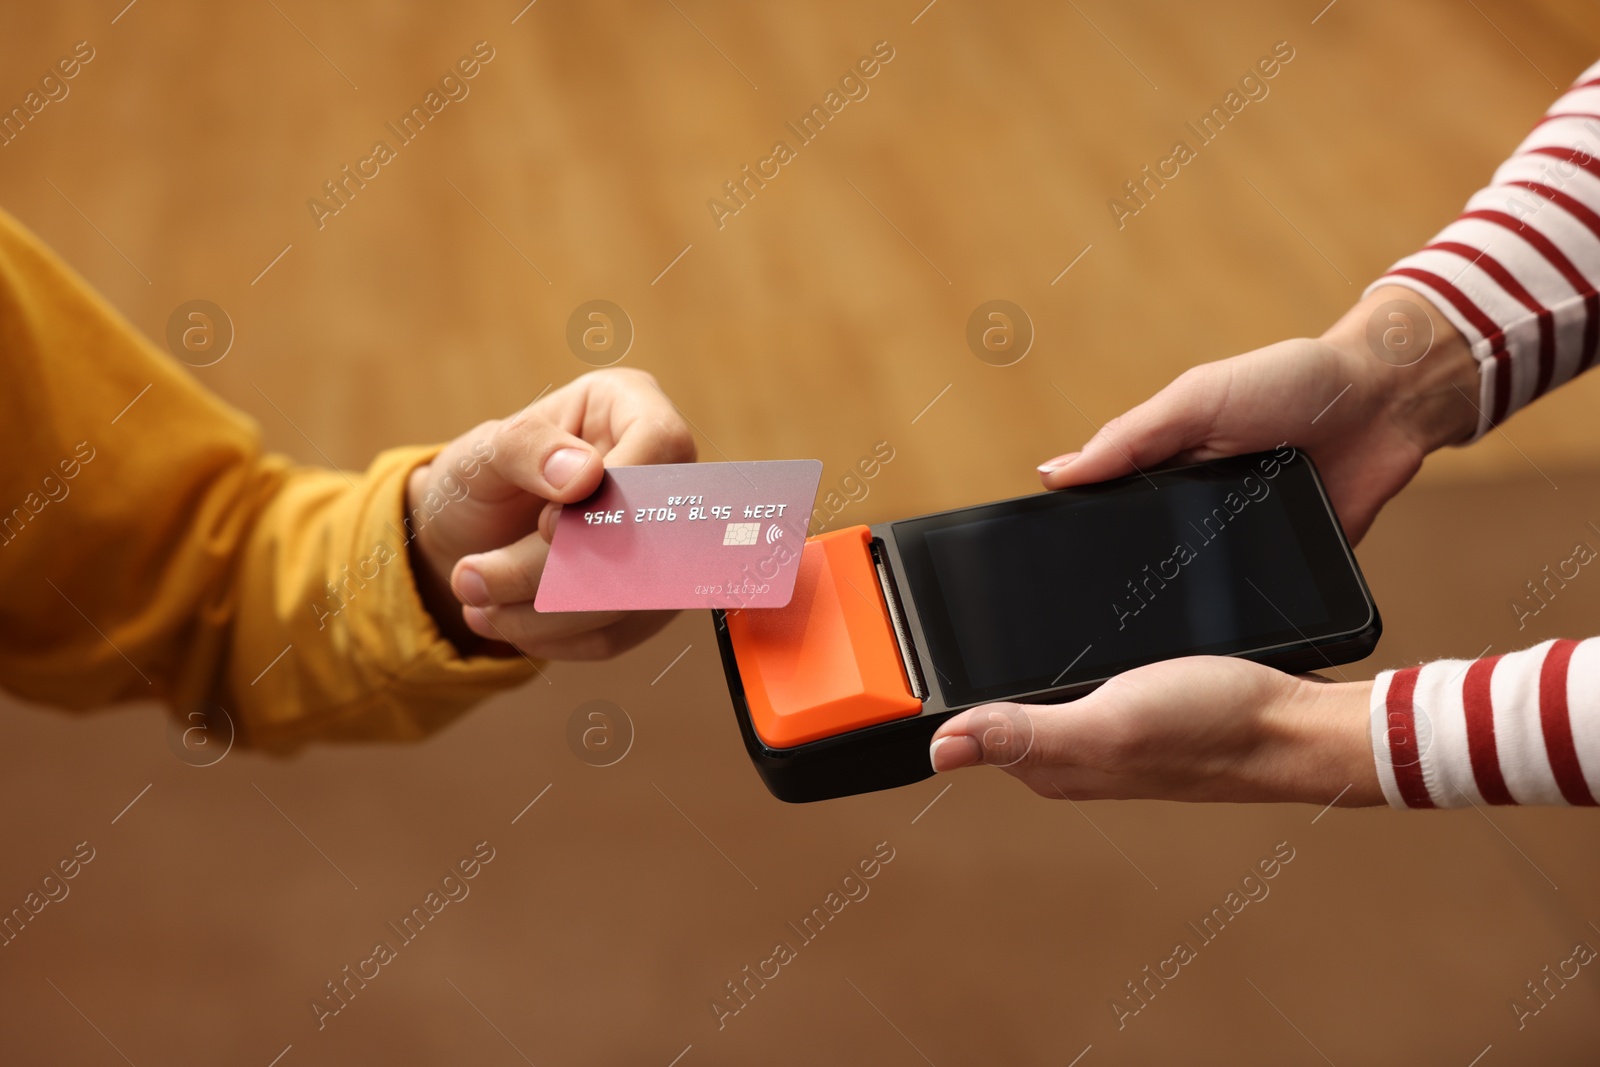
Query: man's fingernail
x=478 y=622
x=1050 y=466
x=547 y=521
x=564 y=465
x=954 y=752
x=471 y=587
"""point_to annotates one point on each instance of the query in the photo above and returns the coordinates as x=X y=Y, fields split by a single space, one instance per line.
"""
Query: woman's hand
x=1206 y=728
x=479 y=556
x=1366 y=421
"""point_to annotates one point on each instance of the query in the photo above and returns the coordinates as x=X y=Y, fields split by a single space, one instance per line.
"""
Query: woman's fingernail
x=954 y=752
x=564 y=465
x=1050 y=466
x=471 y=587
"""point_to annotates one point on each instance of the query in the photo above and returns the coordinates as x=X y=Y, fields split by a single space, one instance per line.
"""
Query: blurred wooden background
x=823 y=318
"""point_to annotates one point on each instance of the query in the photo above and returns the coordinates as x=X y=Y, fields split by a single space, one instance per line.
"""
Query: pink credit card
x=683 y=535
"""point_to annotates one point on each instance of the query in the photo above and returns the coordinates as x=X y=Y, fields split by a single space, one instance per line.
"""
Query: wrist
x=431 y=566
x=1325 y=744
x=1413 y=365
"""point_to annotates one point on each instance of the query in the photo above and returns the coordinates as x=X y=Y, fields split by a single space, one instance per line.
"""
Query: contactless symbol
x=199 y=332
x=599 y=733
x=202 y=736
x=742 y=533
x=773 y=533
x=1400 y=332
x=999 y=332
x=599 y=332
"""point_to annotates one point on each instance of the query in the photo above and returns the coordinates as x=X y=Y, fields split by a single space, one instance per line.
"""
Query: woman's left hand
x=1204 y=728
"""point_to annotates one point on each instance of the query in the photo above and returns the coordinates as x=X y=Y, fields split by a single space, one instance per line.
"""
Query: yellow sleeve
x=149 y=549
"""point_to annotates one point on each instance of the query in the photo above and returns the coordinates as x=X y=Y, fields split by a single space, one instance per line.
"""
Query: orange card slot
x=828 y=662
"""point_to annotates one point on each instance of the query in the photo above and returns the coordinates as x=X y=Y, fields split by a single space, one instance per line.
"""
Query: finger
x=1178 y=459
x=534 y=453
x=624 y=413
x=646 y=426
x=552 y=447
x=1176 y=419
x=508 y=575
x=547 y=521
x=999 y=735
x=605 y=642
x=522 y=626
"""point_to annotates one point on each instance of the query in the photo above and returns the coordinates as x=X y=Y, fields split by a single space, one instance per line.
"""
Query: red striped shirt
x=1481 y=747
x=1554 y=718
x=1405 y=748
x=1523 y=725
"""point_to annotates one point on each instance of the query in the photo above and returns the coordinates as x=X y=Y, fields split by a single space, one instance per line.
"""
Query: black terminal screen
x=1053 y=590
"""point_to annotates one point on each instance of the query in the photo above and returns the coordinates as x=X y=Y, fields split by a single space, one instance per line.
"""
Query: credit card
x=683 y=535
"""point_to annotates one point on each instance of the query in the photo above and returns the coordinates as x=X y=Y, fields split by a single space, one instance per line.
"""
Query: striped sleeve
x=1517 y=272
x=1523 y=728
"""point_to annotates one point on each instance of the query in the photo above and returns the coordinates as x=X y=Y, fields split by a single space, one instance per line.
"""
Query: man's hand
x=478 y=555
x=1206 y=728
x=1366 y=422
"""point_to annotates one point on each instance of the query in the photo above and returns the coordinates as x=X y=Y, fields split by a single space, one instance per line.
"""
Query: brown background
x=811 y=325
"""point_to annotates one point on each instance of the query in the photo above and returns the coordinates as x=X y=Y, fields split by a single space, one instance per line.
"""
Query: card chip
x=741 y=533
